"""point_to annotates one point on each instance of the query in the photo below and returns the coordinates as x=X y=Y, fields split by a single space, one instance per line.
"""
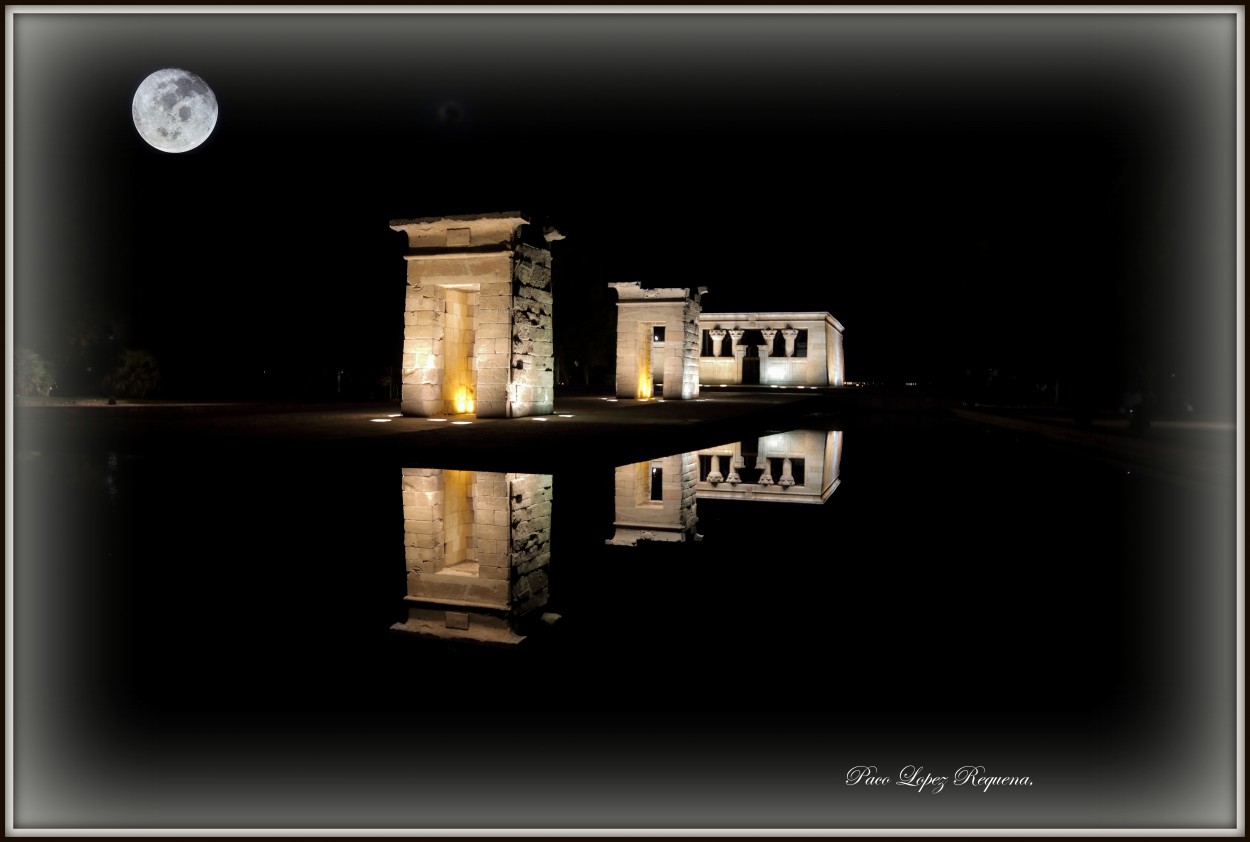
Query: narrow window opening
x=796 y=471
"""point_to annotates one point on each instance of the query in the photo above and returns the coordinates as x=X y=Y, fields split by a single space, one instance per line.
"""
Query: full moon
x=174 y=110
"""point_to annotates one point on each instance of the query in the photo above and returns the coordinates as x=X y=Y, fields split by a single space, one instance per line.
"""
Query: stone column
x=787 y=475
x=718 y=338
x=739 y=352
x=790 y=334
x=761 y=462
x=714 y=475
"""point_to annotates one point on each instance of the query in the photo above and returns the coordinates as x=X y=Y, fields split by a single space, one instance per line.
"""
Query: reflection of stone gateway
x=655 y=500
x=477 y=547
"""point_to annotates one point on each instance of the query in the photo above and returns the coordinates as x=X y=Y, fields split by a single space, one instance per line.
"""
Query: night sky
x=1052 y=195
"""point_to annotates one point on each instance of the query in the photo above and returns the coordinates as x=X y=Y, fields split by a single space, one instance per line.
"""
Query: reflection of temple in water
x=477 y=544
x=655 y=500
x=477 y=547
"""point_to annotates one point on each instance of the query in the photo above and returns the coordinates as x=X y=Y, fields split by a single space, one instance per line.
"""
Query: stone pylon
x=477 y=317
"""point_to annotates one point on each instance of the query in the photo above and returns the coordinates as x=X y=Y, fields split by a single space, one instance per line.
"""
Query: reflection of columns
x=739 y=351
x=787 y=476
x=714 y=475
x=790 y=334
x=718 y=338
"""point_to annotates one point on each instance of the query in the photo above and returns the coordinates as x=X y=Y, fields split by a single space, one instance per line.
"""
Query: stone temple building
x=477 y=317
x=478 y=329
x=766 y=349
x=667 y=347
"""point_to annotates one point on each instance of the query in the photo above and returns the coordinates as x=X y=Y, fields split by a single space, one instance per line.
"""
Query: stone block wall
x=681 y=370
x=834 y=359
x=532 y=349
x=423 y=519
x=530 y=536
x=493 y=347
x=459 y=349
x=421 y=389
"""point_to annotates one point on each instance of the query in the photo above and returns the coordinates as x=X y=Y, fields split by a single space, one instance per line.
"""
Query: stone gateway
x=477 y=317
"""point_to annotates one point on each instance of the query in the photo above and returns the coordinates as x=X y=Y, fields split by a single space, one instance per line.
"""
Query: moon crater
x=174 y=110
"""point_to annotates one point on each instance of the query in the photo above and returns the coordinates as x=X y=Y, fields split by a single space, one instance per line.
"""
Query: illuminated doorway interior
x=459 y=351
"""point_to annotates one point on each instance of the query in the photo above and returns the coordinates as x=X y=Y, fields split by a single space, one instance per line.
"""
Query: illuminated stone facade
x=667 y=347
x=657 y=342
x=477 y=318
x=770 y=349
x=477 y=548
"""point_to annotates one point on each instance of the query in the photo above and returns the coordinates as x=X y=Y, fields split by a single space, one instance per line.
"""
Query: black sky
x=1038 y=191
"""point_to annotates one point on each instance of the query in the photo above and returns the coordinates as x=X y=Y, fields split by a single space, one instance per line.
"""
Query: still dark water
x=962 y=588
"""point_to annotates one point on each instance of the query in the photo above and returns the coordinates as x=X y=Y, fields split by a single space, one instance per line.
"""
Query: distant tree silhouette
x=34 y=376
x=136 y=375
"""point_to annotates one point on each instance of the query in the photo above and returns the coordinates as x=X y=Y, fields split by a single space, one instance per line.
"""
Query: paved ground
x=592 y=430
x=582 y=429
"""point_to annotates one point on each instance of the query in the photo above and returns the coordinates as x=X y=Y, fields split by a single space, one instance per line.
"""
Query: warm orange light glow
x=464 y=402
x=644 y=387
